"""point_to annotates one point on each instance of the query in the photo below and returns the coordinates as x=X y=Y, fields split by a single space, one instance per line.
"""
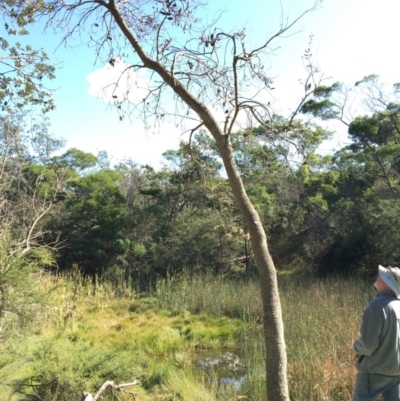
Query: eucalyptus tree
x=24 y=71
x=373 y=127
x=365 y=203
x=203 y=76
x=29 y=183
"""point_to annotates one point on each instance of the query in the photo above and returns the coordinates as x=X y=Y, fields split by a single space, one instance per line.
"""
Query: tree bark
x=276 y=362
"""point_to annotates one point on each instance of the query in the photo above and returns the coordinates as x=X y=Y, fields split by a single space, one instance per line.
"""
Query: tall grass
x=214 y=295
x=90 y=333
x=322 y=320
x=321 y=317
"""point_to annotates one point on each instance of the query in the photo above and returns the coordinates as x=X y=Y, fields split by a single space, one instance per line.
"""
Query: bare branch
x=110 y=383
x=286 y=28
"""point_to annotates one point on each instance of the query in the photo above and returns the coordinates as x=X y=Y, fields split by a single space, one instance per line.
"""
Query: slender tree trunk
x=276 y=365
x=246 y=253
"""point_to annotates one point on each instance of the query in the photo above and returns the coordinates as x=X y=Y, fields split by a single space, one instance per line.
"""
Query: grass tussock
x=90 y=333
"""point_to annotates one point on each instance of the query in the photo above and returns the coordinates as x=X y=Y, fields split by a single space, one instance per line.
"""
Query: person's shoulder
x=378 y=302
x=383 y=299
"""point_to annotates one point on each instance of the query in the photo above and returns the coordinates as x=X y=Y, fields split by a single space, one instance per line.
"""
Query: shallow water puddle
x=225 y=366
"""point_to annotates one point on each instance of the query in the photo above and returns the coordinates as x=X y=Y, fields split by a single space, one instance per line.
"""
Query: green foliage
x=61 y=368
x=376 y=146
x=326 y=91
x=364 y=129
x=23 y=70
x=22 y=13
x=96 y=212
x=134 y=223
x=20 y=302
x=321 y=108
x=76 y=160
x=367 y=79
x=40 y=181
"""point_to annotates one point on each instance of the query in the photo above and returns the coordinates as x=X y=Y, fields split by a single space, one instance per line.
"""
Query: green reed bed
x=90 y=332
x=214 y=295
x=321 y=317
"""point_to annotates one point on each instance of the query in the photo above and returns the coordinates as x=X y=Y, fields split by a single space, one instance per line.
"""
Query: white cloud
x=117 y=82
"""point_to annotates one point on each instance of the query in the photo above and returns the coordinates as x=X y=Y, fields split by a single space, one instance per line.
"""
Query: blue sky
x=352 y=38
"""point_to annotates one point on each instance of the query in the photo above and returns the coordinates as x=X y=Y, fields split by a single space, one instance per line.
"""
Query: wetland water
x=225 y=366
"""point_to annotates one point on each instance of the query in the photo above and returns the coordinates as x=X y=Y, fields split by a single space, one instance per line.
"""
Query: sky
x=351 y=39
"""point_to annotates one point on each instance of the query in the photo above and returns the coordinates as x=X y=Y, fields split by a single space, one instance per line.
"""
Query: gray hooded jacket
x=379 y=344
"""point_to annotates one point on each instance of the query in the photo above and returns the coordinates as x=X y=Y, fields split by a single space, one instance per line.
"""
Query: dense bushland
x=334 y=213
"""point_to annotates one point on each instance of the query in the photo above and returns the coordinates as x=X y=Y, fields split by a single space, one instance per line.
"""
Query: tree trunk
x=276 y=363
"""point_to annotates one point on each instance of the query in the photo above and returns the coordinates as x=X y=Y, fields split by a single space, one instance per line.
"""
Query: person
x=378 y=347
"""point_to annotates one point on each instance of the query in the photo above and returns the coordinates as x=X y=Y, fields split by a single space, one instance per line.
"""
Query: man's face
x=380 y=285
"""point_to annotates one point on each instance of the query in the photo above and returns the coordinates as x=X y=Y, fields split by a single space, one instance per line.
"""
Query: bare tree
x=28 y=190
x=211 y=79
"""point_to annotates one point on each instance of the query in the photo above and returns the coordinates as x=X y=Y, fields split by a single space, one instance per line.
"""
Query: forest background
x=324 y=213
x=130 y=225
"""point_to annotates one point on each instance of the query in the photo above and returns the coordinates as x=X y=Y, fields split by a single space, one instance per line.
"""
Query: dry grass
x=322 y=320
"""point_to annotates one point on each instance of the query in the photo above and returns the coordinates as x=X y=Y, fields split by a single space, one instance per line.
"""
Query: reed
x=90 y=332
x=321 y=317
x=213 y=295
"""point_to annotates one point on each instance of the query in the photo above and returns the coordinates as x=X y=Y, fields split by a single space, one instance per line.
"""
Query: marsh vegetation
x=88 y=332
